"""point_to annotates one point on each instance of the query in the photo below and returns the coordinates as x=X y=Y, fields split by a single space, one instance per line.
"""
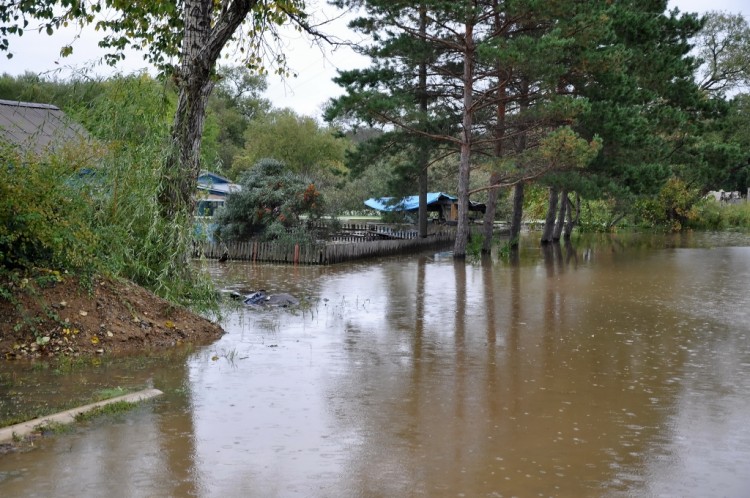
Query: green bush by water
x=93 y=207
x=712 y=215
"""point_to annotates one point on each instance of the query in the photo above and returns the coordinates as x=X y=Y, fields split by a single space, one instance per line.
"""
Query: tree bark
x=572 y=220
x=423 y=159
x=559 y=225
x=464 y=168
x=422 y=181
x=517 y=217
x=549 y=222
x=201 y=46
x=488 y=225
x=518 y=191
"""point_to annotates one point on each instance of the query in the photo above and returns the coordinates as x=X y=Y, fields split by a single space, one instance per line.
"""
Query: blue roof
x=209 y=177
x=216 y=184
x=410 y=203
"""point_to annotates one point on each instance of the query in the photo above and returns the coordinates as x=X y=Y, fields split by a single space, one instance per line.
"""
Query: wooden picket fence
x=330 y=252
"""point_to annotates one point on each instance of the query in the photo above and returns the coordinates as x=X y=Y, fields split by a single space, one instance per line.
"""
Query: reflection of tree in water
x=529 y=384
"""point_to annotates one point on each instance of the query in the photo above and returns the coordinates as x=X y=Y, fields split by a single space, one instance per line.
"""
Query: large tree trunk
x=549 y=222
x=557 y=233
x=489 y=215
x=518 y=191
x=201 y=46
x=422 y=201
x=572 y=220
x=517 y=216
x=423 y=159
x=488 y=224
x=464 y=167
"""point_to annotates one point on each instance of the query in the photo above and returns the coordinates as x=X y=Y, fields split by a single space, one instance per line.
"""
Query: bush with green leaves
x=713 y=215
x=44 y=211
x=270 y=204
x=672 y=209
x=108 y=220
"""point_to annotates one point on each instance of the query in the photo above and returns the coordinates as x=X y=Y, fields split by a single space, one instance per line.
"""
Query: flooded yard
x=616 y=366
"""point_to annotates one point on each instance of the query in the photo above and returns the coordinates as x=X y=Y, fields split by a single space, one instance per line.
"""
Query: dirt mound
x=110 y=317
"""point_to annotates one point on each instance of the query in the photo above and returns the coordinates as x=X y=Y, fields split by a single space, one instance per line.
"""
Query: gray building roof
x=37 y=128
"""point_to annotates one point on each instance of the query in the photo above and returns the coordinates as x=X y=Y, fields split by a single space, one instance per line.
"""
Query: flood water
x=618 y=366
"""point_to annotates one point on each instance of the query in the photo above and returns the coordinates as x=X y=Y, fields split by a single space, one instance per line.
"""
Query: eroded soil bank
x=65 y=318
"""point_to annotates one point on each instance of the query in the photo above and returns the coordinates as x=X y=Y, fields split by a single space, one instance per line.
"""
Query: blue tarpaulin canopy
x=410 y=203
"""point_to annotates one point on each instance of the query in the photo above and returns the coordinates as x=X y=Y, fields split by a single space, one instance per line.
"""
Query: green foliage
x=535 y=201
x=717 y=158
x=724 y=52
x=236 y=101
x=349 y=197
x=297 y=141
x=712 y=215
x=270 y=203
x=155 y=28
x=132 y=114
x=95 y=207
x=474 y=245
x=597 y=215
x=44 y=211
x=672 y=209
x=108 y=410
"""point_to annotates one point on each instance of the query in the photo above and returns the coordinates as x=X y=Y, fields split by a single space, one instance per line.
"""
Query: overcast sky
x=305 y=94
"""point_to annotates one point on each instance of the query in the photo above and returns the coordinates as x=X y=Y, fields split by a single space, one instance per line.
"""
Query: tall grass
x=132 y=116
x=115 y=180
x=712 y=215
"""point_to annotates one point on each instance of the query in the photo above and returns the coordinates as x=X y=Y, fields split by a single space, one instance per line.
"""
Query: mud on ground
x=110 y=317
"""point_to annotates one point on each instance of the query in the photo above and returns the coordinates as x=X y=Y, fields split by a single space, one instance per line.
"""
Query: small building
x=213 y=190
x=37 y=128
x=445 y=205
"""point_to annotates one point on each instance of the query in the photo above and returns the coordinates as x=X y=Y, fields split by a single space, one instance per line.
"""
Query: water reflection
x=614 y=366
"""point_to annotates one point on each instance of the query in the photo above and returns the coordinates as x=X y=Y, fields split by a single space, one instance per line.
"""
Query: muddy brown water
x=618 y=366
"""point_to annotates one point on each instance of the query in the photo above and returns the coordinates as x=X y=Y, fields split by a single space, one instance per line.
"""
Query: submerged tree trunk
x=464 y=168
x=489 y=215
x=557 y=233
x=549 y=222
x=518 y=190
x=517 y=216
x=423 y=159
x=422 y=201
x=572 y=220
x=488 y=224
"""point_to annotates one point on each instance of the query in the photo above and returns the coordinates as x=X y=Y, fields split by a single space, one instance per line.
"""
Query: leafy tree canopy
x=271 y=201
x=724 y=53
x=156 y=27
x=236 y=101
x=297 y=141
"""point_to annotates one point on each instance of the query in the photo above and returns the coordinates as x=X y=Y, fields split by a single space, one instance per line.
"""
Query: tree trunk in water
x=517 y=217
x=423 y=159
x=572 y=220
x=557 y=234
x=489 y=215
x=549 y=222
x=488 y=224
x=423 y=201
x=518 y=191
x=464 y=167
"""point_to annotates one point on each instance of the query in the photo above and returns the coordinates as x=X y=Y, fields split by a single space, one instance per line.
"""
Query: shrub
x=712 y=215
x=44 y=211
x=271 y=202
x=672 y=209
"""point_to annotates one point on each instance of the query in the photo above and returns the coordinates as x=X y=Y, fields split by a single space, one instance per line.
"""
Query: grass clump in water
x=110 y=409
